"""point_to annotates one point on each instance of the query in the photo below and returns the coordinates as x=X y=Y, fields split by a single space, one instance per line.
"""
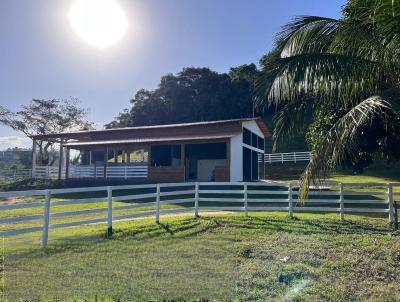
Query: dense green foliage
x=15 y=159
x=194 y=94
x=342 y=77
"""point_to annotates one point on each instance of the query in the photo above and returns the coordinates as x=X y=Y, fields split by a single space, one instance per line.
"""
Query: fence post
x=46 y=218
x=282 y=157
x=341 y=200
x=246 y=210
x=290 y=200
x=109 y=211
x=390 y=201
x=125 y=172
x=196 y=200
x=294 y=154
x=158 y=204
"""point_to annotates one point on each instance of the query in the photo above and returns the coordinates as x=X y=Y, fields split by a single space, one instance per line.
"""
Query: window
x=138 y=156
x=261 y=143
x=246 y=164
x=252 y=139
x=165 y=155
x=254 y=165
x=246 y=136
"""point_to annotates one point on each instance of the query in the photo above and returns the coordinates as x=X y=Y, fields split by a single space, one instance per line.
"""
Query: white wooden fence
x=286 y=157
x=148 y=200
x=78 y=171
x=16 y=174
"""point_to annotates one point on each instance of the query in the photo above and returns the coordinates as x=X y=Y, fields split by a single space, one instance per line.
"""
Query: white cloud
x=14 y=141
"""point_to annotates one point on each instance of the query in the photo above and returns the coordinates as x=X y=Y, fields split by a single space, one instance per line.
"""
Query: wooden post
x=34 y=158
x=60 y=161
x=263 y=162
x=183 y=161
x=67 y=163
x=341 y=200
x=246 y=211
x=290 y=195
x=196 y=200
x=46 y=218
x=105 y=159
x=158 y=204
x=109 y=211
x=390 y=201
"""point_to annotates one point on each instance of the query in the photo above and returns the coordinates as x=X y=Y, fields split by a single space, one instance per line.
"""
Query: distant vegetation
x=194 y=94
x=15 y=159
x=45 y=117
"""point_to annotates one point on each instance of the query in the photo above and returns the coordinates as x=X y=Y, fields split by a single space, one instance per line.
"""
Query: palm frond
x=326 y=76
x=292 y=120
x=307 y=34
x=341 y=141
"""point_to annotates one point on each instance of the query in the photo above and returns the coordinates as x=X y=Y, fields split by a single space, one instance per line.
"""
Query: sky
x=41 y=56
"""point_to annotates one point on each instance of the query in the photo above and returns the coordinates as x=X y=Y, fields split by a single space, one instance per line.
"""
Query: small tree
x=46 y=117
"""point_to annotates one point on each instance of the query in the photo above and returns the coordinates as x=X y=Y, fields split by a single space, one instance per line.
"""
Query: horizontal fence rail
x=44 y=210
x=79 y=171
x=16 y=174
x=285 y=157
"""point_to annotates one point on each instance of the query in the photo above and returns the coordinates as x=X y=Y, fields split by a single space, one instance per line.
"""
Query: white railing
x=45 y=172
x=148 y=200
x=286 y=157
x=16 y=174
x=90 y=171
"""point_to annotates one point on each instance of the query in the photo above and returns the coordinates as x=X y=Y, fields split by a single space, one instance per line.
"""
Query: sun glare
x=99 y=22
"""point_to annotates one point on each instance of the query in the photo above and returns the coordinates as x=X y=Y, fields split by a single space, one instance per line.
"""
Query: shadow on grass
x=191 y=227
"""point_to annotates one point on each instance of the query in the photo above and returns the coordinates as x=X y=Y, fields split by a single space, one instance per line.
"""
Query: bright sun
x=99 y=22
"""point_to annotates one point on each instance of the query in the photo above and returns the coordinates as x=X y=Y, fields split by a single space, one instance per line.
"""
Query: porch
x=164 y=162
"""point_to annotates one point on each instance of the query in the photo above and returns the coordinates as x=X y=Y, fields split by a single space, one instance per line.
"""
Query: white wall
x=253 y=127
x=205 y=168
x=236 y=167
x=236 y=158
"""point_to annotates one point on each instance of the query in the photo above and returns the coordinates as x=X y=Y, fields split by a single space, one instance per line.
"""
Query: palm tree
x=352 y=64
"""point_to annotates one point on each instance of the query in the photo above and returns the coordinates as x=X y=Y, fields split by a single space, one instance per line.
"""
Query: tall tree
x=351 y=64
x=46 y=117
x=194 y=94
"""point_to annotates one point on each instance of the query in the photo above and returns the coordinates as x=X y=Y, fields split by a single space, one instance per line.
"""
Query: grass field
x=266 y=257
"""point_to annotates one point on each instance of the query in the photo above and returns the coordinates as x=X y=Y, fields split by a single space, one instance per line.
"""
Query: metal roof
x=62 y=135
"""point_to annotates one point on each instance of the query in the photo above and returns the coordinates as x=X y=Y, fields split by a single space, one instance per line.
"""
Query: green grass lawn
x=266 y=257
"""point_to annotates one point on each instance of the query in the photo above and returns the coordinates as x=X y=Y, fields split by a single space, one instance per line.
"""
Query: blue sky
x=42 y=57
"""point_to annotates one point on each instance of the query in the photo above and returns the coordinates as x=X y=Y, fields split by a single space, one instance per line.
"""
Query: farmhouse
x=226 y=150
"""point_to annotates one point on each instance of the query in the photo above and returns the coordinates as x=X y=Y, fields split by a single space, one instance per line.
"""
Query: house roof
x=170 y=132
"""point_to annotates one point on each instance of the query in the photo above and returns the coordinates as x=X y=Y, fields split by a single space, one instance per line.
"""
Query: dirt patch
x=14 y=200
